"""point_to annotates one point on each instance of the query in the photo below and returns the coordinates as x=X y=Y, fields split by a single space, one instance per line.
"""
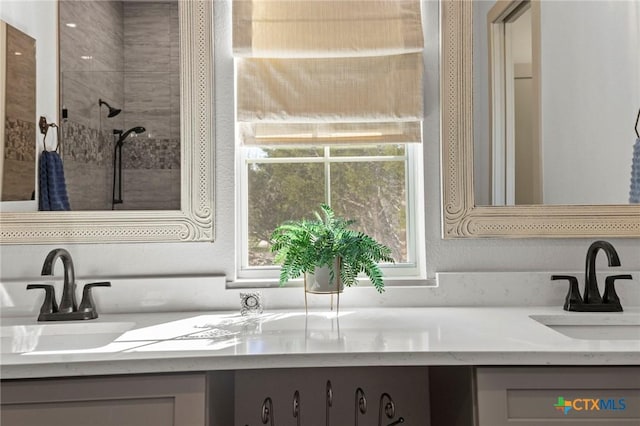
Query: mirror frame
x=194 y=221
x=461 y=218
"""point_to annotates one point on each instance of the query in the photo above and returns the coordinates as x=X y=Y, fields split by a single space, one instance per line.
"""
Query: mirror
x=511 y=138
x=120 y=97
x=554 y=108
x=462 y=215
x=18 y=109
x=193 y=221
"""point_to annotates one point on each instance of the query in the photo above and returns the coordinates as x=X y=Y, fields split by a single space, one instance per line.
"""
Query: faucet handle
x=49 y=306
x=610 y=296
x=573 y=295
x=87 y=304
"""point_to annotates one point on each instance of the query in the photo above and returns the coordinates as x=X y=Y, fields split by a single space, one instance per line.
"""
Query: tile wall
x=125 y=53
x=18 y=167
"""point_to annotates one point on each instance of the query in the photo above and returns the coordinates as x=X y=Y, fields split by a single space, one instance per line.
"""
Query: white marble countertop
x=202 y=341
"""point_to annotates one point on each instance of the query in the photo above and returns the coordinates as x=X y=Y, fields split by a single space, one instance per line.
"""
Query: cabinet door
x=558 y=396
x=407 y=386
x=157 y=400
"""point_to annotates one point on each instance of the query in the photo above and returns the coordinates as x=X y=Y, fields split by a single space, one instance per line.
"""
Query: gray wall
x=590 y=98
x=591 y=126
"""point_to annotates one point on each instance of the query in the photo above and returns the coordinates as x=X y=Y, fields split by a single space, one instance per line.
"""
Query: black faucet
x=591 y=292
x=591 y=300
x=68 y=308
x=68 y=300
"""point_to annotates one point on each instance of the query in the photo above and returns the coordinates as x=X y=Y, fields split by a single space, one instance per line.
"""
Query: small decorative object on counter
x=251 y=303
x=328 y=253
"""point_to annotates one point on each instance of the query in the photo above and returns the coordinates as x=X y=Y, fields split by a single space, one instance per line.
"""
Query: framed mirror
x=193 y=221
x=463 y=216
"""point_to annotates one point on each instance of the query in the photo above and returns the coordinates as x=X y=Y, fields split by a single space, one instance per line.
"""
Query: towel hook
x=44 y=129
x=637 y=119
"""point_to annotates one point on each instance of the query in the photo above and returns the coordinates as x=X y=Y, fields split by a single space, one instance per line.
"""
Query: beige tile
x=75 y=42
x=18 y=180
x=147 y=36
x=148 y=102
x=151 y=189
x=20 y=69
x=20 y=140
x=98 y=34
x=174 y=120
x=78 y=97
x=88 y=187
x=174 y=38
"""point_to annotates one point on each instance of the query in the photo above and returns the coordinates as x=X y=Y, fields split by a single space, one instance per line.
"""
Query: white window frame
x=413 y=273
x=395 y=274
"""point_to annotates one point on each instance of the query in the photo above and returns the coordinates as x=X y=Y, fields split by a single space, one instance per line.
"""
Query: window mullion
x=367 y=159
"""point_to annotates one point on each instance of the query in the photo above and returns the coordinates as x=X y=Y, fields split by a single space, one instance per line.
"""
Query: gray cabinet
x=406 y=386
x=558 y=396
x=159 y=400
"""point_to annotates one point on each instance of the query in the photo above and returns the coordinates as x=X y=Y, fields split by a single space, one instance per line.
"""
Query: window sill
x=269 y=283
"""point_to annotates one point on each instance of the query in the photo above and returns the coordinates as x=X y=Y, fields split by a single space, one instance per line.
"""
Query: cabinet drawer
x=531 y=396
x=106 y=401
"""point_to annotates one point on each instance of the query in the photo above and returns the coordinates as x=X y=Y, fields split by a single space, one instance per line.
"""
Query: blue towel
x=634 y=193
x=53 y=189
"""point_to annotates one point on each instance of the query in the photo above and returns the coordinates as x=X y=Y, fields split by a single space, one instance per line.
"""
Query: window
x=329 y=119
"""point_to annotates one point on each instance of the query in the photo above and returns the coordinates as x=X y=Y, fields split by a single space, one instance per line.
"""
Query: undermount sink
x=56 y=336
x=598 y=326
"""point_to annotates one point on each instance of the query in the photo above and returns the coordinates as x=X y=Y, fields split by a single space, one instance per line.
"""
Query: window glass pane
x=280 y=192
x=375 y=150
x=374 y=195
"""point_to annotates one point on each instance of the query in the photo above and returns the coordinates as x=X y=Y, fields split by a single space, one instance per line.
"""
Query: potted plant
x=327 y=248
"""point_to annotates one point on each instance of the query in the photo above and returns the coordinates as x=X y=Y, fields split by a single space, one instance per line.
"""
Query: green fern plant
x=303 y=245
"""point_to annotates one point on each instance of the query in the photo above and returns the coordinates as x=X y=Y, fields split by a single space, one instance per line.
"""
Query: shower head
x=112 y=111
x=123 y=136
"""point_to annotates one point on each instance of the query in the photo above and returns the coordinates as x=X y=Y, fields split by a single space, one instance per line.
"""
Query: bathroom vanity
x=442 y=365
x=466 y=366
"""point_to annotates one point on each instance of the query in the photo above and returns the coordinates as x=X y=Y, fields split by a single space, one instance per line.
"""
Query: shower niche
x=120 y=104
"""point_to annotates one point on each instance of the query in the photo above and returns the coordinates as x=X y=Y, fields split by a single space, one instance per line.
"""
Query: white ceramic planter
x=320 y=280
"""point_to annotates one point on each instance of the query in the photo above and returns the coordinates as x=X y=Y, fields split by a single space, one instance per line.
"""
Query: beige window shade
x=380 y=88
x=295 y=134
x=303 y=88
x=325 y=28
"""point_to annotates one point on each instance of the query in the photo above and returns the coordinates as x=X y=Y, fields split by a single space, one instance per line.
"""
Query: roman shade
x=326 y=72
